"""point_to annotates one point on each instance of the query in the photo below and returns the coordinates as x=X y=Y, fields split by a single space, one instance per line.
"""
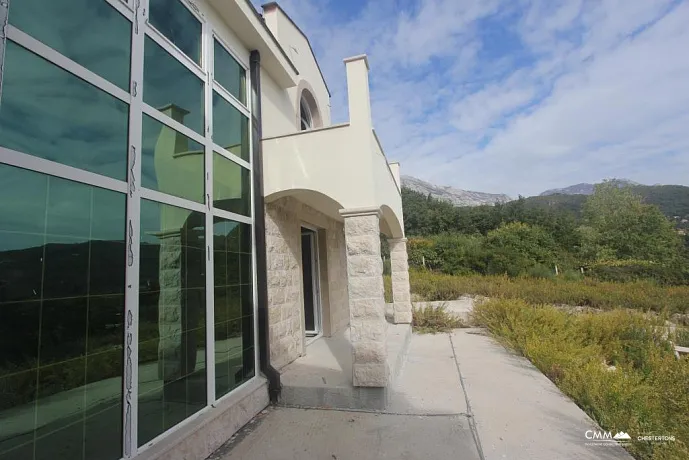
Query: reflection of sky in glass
x=229 y=73
x=167 y=81
x=50 y=113
x=176 y=22
x=91 y=33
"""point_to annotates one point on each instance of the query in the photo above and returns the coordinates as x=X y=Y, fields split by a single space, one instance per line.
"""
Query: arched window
x=305 y=117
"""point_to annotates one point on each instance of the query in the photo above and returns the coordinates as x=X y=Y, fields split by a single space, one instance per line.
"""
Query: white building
x=179 y=221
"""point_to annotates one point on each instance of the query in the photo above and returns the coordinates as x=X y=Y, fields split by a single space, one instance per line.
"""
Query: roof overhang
x=245 y=21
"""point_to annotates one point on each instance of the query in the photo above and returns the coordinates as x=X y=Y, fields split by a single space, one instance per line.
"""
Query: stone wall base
x=200 y=437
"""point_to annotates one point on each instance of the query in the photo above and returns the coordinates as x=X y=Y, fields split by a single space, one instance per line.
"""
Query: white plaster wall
x=277 y=109
x=297 y=48
x=335 y=162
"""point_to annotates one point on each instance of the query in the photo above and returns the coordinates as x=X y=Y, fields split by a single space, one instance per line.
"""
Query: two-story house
x=180 y=222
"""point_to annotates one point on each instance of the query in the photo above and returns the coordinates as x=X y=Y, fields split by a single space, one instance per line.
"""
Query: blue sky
x=516 y=96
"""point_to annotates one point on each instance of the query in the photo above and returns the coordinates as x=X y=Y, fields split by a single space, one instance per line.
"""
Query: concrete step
x=323 y=378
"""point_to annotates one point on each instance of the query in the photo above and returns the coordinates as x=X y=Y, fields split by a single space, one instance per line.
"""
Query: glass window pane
x=50 y=113
x=178 y=24
x=229 y=73
x=231 y=186
x=172 y=163
x=230 y=128
x=172 y=311
x=91 y=33
x=172 y=88
x=233 y=305
x=62 y=276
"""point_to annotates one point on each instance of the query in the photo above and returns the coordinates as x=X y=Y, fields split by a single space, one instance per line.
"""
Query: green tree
x=617 y=223
x=516 y=247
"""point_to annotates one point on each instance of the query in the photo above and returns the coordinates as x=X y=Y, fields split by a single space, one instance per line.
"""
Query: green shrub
x=431 y=320
x=640 y=295
x=541 y=271
x=645 y=391
x=624 y=271
x=387 y=285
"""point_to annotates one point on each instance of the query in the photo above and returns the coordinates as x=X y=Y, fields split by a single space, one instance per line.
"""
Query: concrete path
x=458 y=395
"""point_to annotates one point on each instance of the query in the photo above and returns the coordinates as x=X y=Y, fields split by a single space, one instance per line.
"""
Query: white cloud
x=517 y=97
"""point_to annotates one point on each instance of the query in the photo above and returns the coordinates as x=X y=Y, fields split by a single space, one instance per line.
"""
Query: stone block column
x=401 y=295
x=368 y=326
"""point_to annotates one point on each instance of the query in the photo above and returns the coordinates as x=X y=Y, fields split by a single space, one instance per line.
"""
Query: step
x=323 y=378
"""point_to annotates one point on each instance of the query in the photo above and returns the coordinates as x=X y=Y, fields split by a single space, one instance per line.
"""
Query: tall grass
x=645 y=393
x=639 y=295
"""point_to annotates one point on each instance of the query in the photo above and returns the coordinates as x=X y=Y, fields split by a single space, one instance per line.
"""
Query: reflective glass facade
x=126 y=227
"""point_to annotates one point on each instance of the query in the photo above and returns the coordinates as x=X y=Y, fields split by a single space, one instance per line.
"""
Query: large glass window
x=172 y=88
x=230 y=128
x=62 y=269
x=172 y=163
x=178 y=24
x=231 y=186
x=172 y=312
x=50 y=113
x=229 y=73
x=66 y=233
x=234 y=321
x=91 y=33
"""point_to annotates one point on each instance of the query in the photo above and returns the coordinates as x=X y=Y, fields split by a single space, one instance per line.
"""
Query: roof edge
x=270 y=5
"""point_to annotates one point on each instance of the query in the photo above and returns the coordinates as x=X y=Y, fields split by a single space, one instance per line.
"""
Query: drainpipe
x=273 y=376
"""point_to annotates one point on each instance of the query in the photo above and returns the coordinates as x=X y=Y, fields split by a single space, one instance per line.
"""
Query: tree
x=618 y=224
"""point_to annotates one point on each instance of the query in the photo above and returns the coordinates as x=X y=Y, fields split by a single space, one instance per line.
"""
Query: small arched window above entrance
x=309 y=116
x=305 y=117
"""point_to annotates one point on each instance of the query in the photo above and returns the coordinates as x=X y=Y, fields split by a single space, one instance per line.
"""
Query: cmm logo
x=595 y=435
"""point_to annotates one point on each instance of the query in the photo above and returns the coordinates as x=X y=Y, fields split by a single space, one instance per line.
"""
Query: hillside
x=673 y=201
x=456 y=196
x=585 y=189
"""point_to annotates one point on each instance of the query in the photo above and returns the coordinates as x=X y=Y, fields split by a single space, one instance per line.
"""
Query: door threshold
x=313 y=338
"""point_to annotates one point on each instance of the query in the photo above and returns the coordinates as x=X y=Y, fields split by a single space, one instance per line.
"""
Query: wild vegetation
x=613 y=235
x=618 y=366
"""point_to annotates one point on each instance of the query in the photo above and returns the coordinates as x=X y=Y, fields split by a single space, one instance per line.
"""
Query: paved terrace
x=458 y=395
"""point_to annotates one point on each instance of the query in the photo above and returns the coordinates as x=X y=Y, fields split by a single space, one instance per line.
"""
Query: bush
x=624 y=271
x=541 y=271
x=645 y=393
x=431 y=320
x=640 y=295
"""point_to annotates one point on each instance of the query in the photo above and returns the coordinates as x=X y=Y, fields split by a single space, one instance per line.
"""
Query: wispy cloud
x=517 y=96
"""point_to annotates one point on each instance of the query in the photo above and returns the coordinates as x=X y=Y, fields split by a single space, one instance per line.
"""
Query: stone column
x=368 y=326
x=401 y=296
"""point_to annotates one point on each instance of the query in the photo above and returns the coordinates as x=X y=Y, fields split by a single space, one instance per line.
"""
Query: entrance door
x=312 y=295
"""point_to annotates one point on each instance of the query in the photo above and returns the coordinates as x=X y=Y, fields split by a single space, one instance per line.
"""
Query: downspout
x=273 y=376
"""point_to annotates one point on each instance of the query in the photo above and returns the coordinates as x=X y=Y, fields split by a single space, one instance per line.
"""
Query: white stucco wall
x=277 y=108
x=298 y=50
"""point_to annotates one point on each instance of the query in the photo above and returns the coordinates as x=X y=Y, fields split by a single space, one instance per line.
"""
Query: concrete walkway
x=458 y=395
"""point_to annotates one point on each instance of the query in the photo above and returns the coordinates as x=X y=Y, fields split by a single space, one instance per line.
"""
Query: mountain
x=584 y=188
x=673 y=201
x=456 y=196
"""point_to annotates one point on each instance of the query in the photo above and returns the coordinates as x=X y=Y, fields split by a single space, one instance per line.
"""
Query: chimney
x=358 y=92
